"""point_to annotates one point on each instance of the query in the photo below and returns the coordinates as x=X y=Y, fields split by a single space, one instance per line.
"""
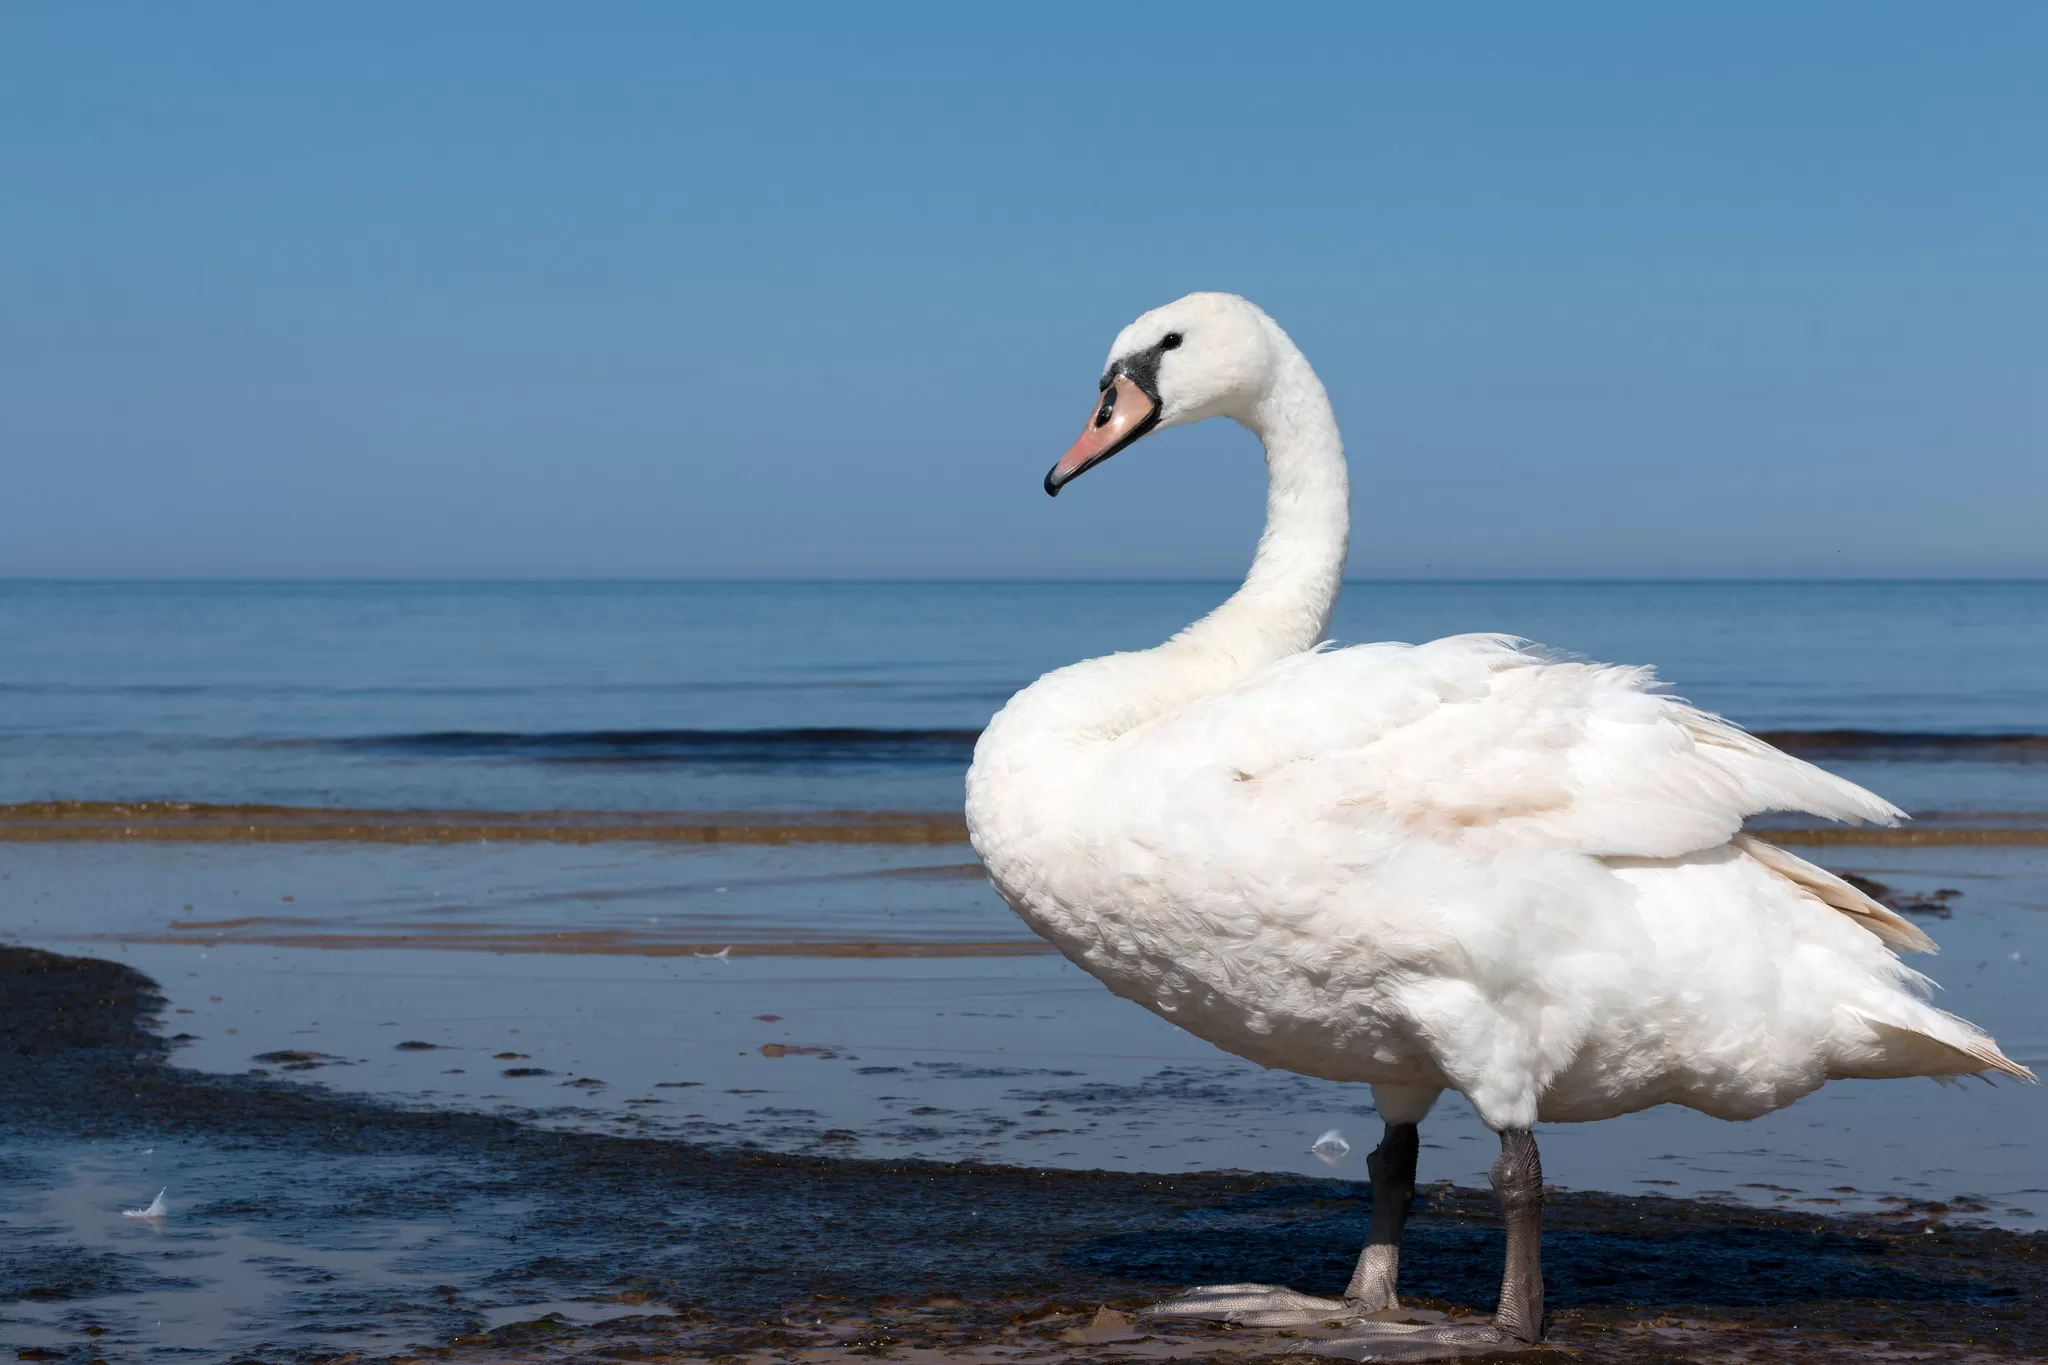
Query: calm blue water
x=627 y=695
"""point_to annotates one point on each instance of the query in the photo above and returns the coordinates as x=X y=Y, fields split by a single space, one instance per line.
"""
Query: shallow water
x=582 y=987
x=208 y=1276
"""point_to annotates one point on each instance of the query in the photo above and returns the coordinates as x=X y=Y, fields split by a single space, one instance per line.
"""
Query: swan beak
x=1125 y=413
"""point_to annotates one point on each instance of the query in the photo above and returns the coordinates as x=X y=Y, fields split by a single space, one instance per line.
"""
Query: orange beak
x=1125 y=413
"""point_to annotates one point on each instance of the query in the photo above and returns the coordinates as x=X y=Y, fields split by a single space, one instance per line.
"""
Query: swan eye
x=1170 y=342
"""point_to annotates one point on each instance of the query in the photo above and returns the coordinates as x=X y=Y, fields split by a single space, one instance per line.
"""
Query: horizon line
x=594 y=580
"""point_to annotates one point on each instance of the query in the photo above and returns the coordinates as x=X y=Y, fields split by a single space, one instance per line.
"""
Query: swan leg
x=1392 y=1167
x=1517 y=1322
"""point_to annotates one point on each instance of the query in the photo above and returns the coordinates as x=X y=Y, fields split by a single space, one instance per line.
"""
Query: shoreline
x=704 y=1251
x=190 y=822
x=204 y=823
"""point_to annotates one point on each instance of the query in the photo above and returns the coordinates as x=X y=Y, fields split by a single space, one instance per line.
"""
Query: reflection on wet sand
x=502 y=939
x=626 y=966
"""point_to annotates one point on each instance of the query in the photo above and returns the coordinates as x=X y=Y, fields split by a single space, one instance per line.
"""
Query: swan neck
x=1283 y=607
x=1285 y=603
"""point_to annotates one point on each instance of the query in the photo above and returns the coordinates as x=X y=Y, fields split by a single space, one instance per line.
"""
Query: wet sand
x=203 y=823
x=382 y=1233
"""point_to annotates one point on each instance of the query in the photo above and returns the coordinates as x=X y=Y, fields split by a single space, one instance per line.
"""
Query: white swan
x=1466 y=865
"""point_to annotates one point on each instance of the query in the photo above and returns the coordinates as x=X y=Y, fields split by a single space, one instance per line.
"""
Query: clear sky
x=683 y=290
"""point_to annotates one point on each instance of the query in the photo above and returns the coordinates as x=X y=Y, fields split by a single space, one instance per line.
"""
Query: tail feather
x=1941 y=1045
x=1824 y=886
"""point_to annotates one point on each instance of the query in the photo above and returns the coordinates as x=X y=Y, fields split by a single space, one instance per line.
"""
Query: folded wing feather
x=1484 y=737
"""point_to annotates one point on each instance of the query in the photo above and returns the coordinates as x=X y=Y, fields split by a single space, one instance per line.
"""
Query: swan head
x=1206 y=355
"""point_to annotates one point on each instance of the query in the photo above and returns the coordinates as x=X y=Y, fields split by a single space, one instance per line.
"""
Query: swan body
x=1463 y=865
x=1469 y=864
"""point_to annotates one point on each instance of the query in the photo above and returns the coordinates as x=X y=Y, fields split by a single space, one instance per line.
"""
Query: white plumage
x=1468 y=864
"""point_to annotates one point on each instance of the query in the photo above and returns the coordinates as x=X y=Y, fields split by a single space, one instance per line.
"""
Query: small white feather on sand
x=157 y=1207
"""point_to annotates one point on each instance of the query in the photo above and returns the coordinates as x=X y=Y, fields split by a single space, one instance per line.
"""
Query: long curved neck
x=1283 y=607
x=1285 y=603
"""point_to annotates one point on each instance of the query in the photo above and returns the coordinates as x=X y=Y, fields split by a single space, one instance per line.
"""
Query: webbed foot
x=1353 y=1335
x=1373 y=1341
x=1365 y=1324
x=1254 y=1305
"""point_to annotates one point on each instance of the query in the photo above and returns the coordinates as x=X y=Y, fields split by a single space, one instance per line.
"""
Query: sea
x=864 y=695
x=682 y=861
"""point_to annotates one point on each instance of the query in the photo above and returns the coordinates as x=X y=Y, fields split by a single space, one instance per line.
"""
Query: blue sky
x=439 y=289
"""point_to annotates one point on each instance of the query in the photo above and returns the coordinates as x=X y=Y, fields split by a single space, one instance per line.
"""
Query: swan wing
x=1485 y=738
x=1491 y=743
